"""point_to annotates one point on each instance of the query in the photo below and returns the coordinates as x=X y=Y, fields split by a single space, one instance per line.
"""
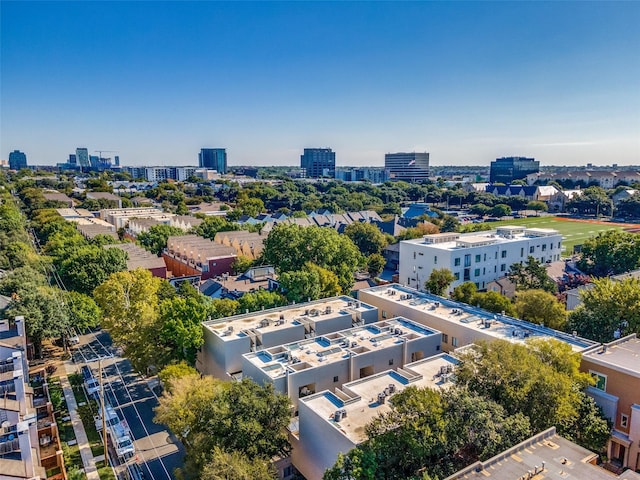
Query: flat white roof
x=487 y=323
x=503 y=234
x=360 y=398
x=283 y=317
x=333 y=347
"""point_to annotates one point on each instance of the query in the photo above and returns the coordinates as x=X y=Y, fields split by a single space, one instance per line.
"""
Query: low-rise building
x=460 y=324
x=114 y=200
x=331 y=422
x=29 y=438
x=245 y=243
x=545 y=455
x=328 y=361
x=478 y=257
x=188 y=255
x=119 y=217
x=138 y=257
x=227 y=339
x=616 y=369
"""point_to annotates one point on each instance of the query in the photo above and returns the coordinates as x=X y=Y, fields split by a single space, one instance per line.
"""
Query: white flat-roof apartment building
x=333 y=421
x=460 y=324
x=329 y=361
x=478 y=257
x=227 y=339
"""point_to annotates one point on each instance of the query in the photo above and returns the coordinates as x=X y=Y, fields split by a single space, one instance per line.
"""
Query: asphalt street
x=157 y=451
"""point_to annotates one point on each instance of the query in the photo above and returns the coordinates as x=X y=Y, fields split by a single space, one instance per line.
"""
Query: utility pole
x=104 y=414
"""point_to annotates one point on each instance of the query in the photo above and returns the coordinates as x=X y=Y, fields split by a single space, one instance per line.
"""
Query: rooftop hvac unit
x=349 y=304
x=337 y=416
x=328 y=309
x=282 y=316
x=382 y=398
x=409 y=296
x=392 y=388
x=443 y=369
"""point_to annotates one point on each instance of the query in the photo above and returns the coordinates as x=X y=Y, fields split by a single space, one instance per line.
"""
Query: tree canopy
x=540 y=307
x=439 y=281
x=155 y=240
x=609 y=253
x=531 y=275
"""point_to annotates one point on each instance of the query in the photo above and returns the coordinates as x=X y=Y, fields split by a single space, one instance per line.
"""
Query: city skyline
x=466 y=82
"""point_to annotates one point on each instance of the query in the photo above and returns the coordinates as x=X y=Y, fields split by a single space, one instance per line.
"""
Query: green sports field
x=573 y=232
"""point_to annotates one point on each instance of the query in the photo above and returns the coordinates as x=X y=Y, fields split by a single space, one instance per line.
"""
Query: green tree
x=494 y=302
x=311 y=282
x=500 y=210
x=439 y=281
x=155 y=240
x=450 y=224
x=181 y=326
x=288 y=247
x=130 y=306
x=465 y=293
x=260 y=299
x=537 y=206
x=609 y=309
x=532 y=275
x=83 y=311
x=367 y=237
x=172 y=372
x=86 y=268
x=234 y=465
x=610 y=253
x=375 y=264
x=592 y=201
x=241 y=264
x=540 y=307
x=238 y=417
x=541 y=380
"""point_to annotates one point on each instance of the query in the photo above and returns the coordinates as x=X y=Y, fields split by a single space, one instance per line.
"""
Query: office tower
x=17 y=160
x=213 y=158
x=117 y=160
x=507 y=169
x=410 y=167
x=318 y=162
x=72 y=159
x=82 y=157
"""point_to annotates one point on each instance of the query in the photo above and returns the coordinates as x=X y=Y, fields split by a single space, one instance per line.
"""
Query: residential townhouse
x=616 y=369
x=227 y=339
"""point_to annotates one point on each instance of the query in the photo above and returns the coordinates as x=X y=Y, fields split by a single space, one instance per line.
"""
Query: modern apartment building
x=318 y=162
x=227 y=339
x=213 y=158
x=360 y=174
x=29 y=438
x=478 y=257
x=616 y=369
x=507 y=169
x=407 y=166
x=333 y=421
x=188 y=255
x=119 y=217
x=17 y=160
x=328 y=361
x=460 y=324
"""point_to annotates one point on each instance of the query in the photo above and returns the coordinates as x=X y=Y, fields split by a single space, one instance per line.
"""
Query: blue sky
x=467 y=82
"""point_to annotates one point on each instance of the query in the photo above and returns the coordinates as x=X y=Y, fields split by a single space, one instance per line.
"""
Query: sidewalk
x=81 y=437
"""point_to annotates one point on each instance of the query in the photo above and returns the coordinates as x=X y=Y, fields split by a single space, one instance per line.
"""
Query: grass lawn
x=573 y=232
x=105 y=471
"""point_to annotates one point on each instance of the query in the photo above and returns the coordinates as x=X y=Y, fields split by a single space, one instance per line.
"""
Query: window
x=384 y=314
x=496 y=255
x=467 y=274
x=522 y=252
x=544 y=247
x=531 y=249
x=456 y=262
x=601 y=380
x=454 y=341
x=559 y=243
x=484 y=270
x=445 y=338
x=420 y=253
x=503 y=267
x=435 y=260
x=476 y=273
x=467 y=260
x=478 y=257
x=457 y=275
x=624 y=420
x=414 y=255
x=391 y=361
x=335 y=379
x=503 y=254
x=485 y=257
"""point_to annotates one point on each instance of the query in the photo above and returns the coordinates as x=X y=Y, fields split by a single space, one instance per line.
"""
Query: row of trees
x=503 y=394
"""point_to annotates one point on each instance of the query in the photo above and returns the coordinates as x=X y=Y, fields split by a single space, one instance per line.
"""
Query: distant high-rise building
x=407 y=166
x=507 y=169
x=318 y=162
x=214 y=158
x=82 y=157
x=17 y=160
x=117 y=160
x=73 y=160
